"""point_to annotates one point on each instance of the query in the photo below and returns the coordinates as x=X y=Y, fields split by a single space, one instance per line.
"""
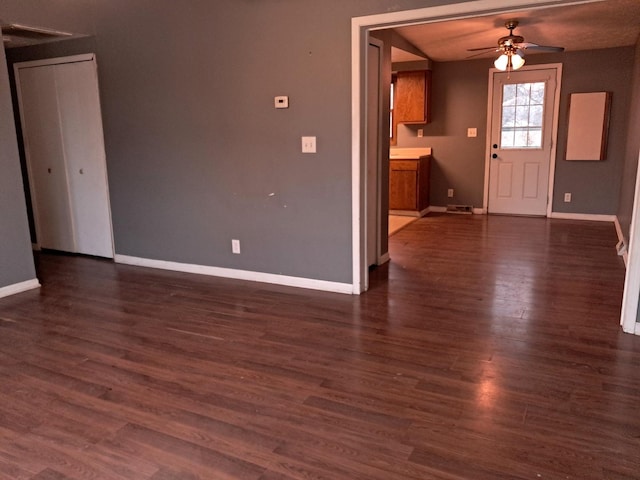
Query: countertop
x=409 y=153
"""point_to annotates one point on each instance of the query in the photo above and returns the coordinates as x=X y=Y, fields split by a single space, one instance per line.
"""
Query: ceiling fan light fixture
x=517 y=59
x=502 y=62
x=510 y=60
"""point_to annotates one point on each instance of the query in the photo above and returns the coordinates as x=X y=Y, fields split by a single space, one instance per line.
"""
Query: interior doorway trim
x=360 y=28
x=631 y=292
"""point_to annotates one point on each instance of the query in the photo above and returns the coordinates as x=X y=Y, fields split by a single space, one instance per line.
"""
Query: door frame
x=85 y=57
x=376 y=201
x=631 y=290
x=360 y=28
x=554 y=131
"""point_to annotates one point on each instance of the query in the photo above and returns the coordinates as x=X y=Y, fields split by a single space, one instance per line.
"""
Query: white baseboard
x=435 y=209
x=583 y=216
x=237 y=274
x=410 y=213
x=619 y=230
x=19 y=287
x=621 y=240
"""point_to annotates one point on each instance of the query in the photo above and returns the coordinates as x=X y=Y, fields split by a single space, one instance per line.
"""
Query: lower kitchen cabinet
x=409 y=185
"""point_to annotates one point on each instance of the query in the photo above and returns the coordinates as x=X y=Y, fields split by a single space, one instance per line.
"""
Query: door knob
x=495 y=155
x=495 y=145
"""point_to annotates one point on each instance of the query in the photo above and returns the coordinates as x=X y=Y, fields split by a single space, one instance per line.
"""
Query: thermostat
x=282 y=101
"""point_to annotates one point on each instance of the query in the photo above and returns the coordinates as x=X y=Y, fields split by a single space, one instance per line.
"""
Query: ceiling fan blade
x=493 y=50
x=540 y=48
x=481 y=48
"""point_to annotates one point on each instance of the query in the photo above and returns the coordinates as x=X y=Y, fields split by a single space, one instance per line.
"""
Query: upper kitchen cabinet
x=411 y=97
x=410 y=92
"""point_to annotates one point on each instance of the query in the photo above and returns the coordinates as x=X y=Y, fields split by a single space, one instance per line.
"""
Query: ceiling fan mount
x=510 y=40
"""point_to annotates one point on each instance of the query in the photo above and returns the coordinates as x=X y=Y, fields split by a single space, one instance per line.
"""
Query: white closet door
x=81 y=126
x=62 y=127
x=45 y=152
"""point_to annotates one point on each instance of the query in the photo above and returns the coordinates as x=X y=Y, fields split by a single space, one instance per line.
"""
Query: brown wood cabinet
x=409 y=185
x=411 y=97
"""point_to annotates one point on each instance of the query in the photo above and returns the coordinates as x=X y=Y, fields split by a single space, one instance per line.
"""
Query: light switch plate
x=281 y=101
x=472 y=132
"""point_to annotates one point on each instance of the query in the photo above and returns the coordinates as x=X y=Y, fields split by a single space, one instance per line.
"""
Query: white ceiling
x=603 y=24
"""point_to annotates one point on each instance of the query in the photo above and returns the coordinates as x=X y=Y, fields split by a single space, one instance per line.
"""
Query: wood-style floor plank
x=488 y=348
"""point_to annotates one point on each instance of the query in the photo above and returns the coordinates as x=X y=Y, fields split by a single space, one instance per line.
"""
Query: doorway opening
x=361 y=27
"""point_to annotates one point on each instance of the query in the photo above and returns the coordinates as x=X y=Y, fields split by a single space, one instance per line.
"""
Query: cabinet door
x=403 y=186
x=412 y=97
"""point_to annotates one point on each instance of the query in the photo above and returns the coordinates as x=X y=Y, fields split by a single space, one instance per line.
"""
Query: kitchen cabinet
x=409 y=185
x=411 y=97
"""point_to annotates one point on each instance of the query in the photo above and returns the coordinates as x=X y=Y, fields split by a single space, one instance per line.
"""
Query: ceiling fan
x=512 y=49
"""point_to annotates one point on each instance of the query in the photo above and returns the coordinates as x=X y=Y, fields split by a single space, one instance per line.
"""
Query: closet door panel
x=81 y=129
x=45 y=158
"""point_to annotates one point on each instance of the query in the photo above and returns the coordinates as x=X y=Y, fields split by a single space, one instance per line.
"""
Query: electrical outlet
x=420 y=133
x=450 y=193
x=567 y=198
x=235 y=246
x=308 y=144
x=472 y=132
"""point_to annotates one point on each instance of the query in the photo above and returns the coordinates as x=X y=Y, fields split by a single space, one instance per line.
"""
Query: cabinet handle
x=495 y=155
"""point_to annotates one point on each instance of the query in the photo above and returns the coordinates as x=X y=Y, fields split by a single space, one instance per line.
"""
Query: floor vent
x=460 y=209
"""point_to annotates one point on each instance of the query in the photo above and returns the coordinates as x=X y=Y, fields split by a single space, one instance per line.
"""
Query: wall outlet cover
x=308 y=144
x=281 y=101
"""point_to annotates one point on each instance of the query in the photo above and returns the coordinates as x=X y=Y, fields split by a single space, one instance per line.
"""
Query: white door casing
x=65 y=90
x=373 y=200
x=521 y=140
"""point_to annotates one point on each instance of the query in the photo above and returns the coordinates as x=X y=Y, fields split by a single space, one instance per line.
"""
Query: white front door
x=522 y=131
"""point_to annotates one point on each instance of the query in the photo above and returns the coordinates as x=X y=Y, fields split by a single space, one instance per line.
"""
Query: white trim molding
x=285 y=280
x=583 y=216
x=631 y=292
x=19 y=287
x=622 y=242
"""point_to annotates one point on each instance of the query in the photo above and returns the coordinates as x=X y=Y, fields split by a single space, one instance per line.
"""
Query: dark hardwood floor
x=489 y=348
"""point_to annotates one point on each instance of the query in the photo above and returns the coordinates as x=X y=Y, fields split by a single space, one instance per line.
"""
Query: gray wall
x=16 y=258
x=195 y=148
x=595 y=186
x=459 y=100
